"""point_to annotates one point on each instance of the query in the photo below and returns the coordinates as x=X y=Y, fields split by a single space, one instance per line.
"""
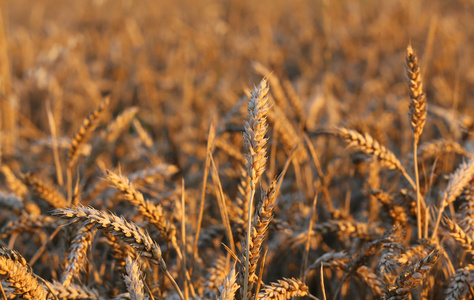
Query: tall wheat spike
x=418 y=112
x=254 y=138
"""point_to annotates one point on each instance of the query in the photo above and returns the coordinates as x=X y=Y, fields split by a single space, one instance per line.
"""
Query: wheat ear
x=460 y=283
x=229 y=286
x=45 y=192
x=77 y=254
x=87 y=127
x=127 y=231
x=20 y=276
x=459 y=180
x=284 y=289
x=367 y=144
x=133 y=280
x=418 y=112
x=254 y=138
x=73 y=291
x=153 y=213
x=412 y=277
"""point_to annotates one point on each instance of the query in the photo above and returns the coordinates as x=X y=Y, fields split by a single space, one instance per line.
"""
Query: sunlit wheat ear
x=418 y=105
x=368 y=145
x=254 y=138
x=457 y=233
x=255 y=130
x=73 y=291
x=120 y=124
x=15 y=271
x=153 y=213
x=418 y=110
x=88 y=125
x=14 y=184
x=284 y=289
x=126 y=231
x=229 y=286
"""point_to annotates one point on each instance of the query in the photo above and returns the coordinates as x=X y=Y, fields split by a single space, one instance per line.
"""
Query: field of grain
x=229 y=149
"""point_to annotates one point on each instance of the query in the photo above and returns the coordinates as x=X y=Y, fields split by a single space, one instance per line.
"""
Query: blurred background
x=198 y=58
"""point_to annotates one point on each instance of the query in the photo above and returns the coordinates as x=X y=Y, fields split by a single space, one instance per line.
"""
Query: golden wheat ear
x=254 y=138
x=15 y=271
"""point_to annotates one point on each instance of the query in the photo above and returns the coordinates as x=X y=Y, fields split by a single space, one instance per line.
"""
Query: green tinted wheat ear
x=418 y=111
x=254 y=138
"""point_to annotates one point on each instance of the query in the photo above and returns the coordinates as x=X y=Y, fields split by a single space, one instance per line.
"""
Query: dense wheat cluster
x=236 y=149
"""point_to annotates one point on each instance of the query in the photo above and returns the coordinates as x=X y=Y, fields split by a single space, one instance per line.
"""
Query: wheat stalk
x=254 y=138
x=418 y=111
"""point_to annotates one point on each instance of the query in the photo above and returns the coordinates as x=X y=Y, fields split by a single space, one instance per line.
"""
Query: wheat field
x=224 y=149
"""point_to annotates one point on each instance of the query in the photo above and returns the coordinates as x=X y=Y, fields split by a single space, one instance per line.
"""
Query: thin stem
x=175 y=285
x=210 y=141
x=408 y=178
x=69 y=185
x=417 y=181
x=43 y=247
x=247 y=244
